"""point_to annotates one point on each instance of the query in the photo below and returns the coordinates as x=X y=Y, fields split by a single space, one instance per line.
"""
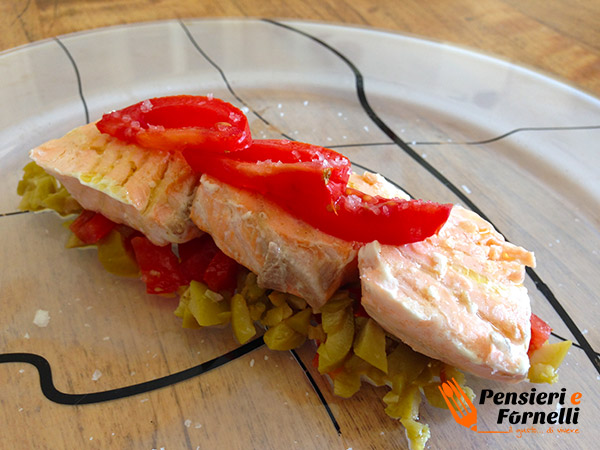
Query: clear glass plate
x=444 y=123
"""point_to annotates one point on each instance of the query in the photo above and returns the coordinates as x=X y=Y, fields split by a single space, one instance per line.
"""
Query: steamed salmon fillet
x=149 y=191
x=457 y=296
x=285 y=253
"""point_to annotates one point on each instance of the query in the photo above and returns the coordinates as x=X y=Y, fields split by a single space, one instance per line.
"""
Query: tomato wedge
x=181 y=122
x=540 y=332
x=91 y=226
x=310 y=182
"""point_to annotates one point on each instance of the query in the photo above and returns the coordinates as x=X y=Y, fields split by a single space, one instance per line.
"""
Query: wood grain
x=559 y=37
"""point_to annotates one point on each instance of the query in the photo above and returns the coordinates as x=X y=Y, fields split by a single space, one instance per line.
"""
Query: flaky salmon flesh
x=149 y=191
x=457 y=296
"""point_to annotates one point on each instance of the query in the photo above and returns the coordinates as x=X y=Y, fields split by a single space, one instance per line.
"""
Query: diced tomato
x=195 y=257
x=159 y=266
x=175 y=123
x=221 y=273
x=91 y=226
x=540 y=332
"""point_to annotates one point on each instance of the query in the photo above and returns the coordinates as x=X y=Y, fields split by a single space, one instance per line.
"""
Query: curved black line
x=224 y=77
x=318 y=391
x=541 y=286
x=79 y=83
x=266 y=122
x=360 y=92
x=53 y=394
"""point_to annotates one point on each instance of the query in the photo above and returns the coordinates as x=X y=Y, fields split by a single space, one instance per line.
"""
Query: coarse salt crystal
x=188 y=423
x=42 y=318
x=146 y=106
x=96 y=375
x=252 y=362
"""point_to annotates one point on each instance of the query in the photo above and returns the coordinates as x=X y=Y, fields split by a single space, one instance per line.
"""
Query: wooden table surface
x=559 y=37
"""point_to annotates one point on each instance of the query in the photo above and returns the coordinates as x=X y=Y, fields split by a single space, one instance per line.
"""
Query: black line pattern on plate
x=314 y=385
x=224 y=77
x=481 y=142
x=575 y=344
x=79 y=83
x=541 y=286
x=14 y=213
x=53 y=394
x=43 y=366
x=311 y=380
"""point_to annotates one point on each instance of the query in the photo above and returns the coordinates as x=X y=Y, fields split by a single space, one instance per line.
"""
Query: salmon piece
x=149 y=191
x=457 y=296
x=286 y=253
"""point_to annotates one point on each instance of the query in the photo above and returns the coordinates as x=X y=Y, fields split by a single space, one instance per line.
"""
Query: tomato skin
x=540 y=332
x=175 y=123
x=310 y=182
x=159 y=266
x=270 y=167
x=221 y=273
x=91 y=226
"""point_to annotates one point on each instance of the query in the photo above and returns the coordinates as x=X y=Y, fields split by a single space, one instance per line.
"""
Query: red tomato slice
x=310 y=182
x=270 y=165
x=182 y=122
x=159 y=266
x=540 y=332
x=91 y=226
